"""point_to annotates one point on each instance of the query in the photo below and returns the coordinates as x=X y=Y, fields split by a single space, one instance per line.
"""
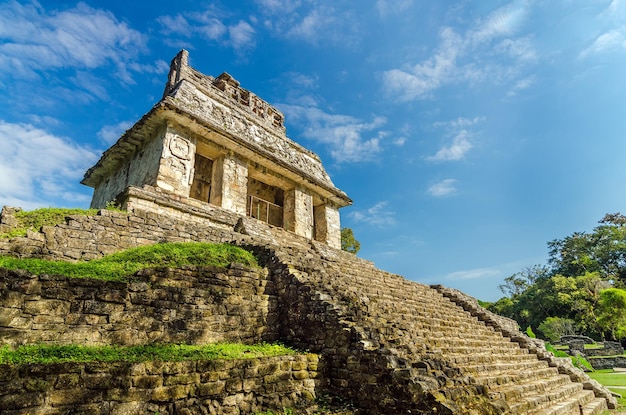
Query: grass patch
x=48 y=354
x=593 y=346
x=611 y=379
x=37 y=218
x=118 y=266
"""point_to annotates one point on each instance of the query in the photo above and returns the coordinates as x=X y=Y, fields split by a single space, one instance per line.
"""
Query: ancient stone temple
x=208 y=143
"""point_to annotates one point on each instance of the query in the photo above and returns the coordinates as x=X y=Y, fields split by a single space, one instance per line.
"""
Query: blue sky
x=468 y=133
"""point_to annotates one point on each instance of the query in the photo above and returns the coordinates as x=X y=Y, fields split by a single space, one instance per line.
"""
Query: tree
x=520 y=281
x=612 y=313
x=553 y=328
x=348 y=242
x=577 y=286
x=603 y=250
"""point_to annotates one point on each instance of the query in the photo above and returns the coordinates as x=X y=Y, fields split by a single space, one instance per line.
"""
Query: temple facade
x=211 y=144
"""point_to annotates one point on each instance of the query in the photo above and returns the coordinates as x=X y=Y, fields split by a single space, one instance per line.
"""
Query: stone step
x=514 y=376
x=582 y=402
x=488 y=358
x=541 y=395
x=462 y=347
x=500 y=368
x=595 y=407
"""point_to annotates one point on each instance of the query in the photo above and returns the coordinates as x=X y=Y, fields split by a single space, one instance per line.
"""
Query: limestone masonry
x=212 y=141
x=211 y=163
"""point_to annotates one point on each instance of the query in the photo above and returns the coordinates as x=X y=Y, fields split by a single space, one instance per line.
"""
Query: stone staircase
x=459 y=363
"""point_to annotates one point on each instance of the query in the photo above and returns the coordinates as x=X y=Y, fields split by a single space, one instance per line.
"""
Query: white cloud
x=474 y=274
x=389 y=7
x=456 y=151
x=35 y=39
x=400 y=141
x=314 y=22
x=445 y=187
x=342 y=133
x=109 y=134
x=502 y=22
x=241 y=36
x=314 y=25
x=278 y=6
x=460 y=122
x=422 y=78
x=212 y=25
x=459 y=130
x=378 y=215
x=472 y=57
x=521 y=85
x=607 y=42
x=174 y=24
x=37 y=167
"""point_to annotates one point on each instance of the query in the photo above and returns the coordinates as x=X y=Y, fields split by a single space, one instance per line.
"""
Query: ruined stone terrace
x=387 y=344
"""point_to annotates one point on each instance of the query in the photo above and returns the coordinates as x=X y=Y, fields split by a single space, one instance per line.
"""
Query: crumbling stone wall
x=194 y=305
x=192 y=387
x=599 y=363
x=607 y=349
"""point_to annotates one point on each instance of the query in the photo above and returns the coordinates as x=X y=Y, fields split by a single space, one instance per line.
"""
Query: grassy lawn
x=614 y=381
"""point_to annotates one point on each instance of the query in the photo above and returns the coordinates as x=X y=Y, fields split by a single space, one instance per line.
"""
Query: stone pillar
x=298 y=212
x=327 y=225
x=229 y=184
x=176 y=165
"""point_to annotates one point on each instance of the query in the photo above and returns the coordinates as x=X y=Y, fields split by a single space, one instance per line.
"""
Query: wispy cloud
x=312 y=22
x=456 y=151
x=349 y=139
x=211 y=24
x=391 y=7
x=110 y=133
x=611 y=41
x=379 y=215
x=610 y=35
x=474 y=274
x=443 y=188
x=35 y=39
x=37 y=167
x=460 y=131
x=468 y=57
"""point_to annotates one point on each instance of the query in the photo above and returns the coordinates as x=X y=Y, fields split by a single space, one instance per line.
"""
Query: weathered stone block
x=182 y=379
x=65 y=397
x=20 y=401
x=169 y=393
x=47 y=307
x=210 y=388
x=67 y=381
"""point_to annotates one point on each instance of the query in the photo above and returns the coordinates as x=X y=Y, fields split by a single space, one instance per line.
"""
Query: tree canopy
x=349 y=242
x=580 y=290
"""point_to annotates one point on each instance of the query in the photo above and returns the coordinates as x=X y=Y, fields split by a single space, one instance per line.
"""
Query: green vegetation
x=580 y=291
x=35 y=219
x=119 y=266
x=47 y=354
x=349 y=242
x=578 y=361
